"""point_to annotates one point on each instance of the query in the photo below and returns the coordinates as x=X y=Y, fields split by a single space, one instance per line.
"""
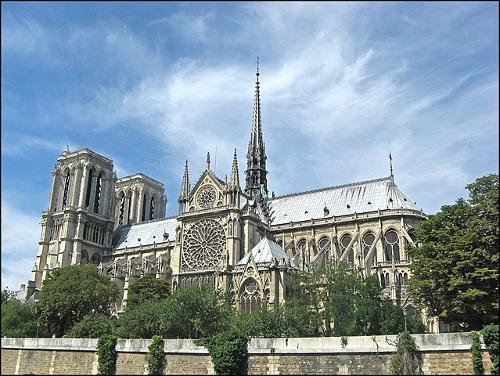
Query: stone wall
x=445 y=353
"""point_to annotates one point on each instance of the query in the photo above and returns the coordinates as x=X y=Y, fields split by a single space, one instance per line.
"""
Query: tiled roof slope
x=366 y=196
x=145 y=233
x=265 y=251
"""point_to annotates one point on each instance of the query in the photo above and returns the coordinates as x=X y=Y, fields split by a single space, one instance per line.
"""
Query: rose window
x=203 y=245
x=206 y=197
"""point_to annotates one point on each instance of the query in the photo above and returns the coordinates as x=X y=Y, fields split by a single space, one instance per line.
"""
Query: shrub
x=490 y=337
x=477 y=358
x=156 y=356
x=406 y=360
x=106 y=354
x=228 y=351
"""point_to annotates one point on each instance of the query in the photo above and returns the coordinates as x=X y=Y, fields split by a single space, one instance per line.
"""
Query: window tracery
x=391 y=246
x=203 y=245
x=250 y=298
x=206 y=197
x=98 y=191
x=66 y=190
x=344 y=243
x=122 y=208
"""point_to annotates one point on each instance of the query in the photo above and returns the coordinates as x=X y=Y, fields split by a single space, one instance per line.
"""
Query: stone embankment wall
x=445 y=353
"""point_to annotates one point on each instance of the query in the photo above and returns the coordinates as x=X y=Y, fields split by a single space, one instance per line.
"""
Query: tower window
x=66 y=190
x=152 y=208
x=89 y=188
x=143 y=216
x=98 y=190
x=122 y=208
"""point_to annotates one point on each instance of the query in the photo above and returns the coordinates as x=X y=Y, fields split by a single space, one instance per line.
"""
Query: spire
x=208 y=160
x=390 y=165
x=184 y=195
x=235 y=176
x=256 y=156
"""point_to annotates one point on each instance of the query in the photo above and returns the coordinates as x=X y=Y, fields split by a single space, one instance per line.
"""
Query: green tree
x=455 y=266
x=8 y=295
x=141 y=320
x=193 y=313
x=340 y=297
x=19 y=320
x=92 y=326
x=147 y=288
x=72 y=292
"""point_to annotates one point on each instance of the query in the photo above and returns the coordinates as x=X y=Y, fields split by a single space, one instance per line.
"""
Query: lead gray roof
x=265 y=251
x=361 y=197
x=144 y=234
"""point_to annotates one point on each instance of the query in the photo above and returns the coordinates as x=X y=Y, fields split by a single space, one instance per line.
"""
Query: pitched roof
x=361 y=197
x=145 y=233
x=265 y=251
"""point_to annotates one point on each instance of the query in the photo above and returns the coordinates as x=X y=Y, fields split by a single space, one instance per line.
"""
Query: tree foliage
x=346 y=302
x=92 y=326
x=406 y=360
x=147 y=288
x=491 y=341
x=156 y=356
x=193 y=313
x=72 y=292
x=19 y=320
x=106 y=354
x=455 y=267
x=142 y=320
x=229 y=352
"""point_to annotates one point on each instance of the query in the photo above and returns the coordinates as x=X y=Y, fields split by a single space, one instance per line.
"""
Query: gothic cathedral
x=225 y=236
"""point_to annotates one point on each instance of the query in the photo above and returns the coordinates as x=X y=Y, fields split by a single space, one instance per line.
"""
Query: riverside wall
x=443 y=353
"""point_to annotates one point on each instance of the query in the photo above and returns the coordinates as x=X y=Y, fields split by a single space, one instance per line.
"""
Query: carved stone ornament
x=206 y=196
x=203 y=245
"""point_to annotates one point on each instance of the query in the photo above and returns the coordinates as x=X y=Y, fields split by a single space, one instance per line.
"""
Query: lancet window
x=98 y=192
x=66 y=190
x=152 y=208
x=122 y=208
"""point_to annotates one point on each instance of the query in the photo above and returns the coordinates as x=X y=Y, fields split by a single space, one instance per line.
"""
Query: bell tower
x=77 y=226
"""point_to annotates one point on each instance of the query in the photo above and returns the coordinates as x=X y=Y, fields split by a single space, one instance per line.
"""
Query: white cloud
x=20 y=236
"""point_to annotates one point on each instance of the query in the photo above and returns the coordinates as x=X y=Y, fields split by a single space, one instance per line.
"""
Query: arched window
x=89 y=188
x=368 y=240
x=84 y=259
x=324 y=244
x=250 y=297
x=382 y=280
x=66 y=190
x=344 y=243
x=98 y=192
x=122 y=208
x=324 y=247
x=391 y=246
x=152 y=208
x=130 y=214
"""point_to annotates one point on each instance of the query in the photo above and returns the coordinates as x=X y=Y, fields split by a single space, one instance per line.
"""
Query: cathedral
x=226 y=236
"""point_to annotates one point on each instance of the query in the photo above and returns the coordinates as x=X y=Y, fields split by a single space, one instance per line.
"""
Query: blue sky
x=152 y=84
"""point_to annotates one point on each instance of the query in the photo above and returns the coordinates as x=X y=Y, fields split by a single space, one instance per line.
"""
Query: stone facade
x=446 y=353
x=225 y=236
